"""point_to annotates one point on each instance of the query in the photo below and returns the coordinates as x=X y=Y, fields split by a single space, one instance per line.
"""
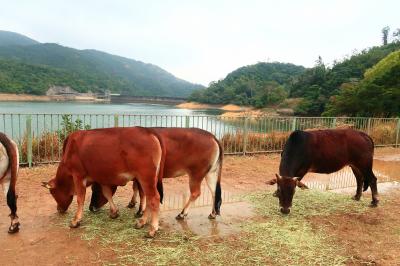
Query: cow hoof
x=139 y=214
x=212 y=216
x=74 y=224
x=93 y=209
x=150 y=234
x=374 y=203
x=181 y=216
x=131 y=205
x=14 y=228
x=114 y=215
x=139 y=225
x=275 y=194
x=356 y=198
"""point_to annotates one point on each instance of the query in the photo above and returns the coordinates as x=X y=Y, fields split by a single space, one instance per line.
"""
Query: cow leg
x=11 y=196
x=132 y=203
x=195 y=191
x=137 y=189
x=360 y=181
x=212 y=178
x=80 y=189
x=107 y=192
x=152 y=208
x=374 y=189
x=142 y=205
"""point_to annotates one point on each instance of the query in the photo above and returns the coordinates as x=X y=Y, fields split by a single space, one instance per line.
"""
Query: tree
x=385 y=34
x=396 y=35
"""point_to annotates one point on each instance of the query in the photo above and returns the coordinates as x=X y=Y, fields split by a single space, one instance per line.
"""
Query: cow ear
x=273 y=180
x=301 y=184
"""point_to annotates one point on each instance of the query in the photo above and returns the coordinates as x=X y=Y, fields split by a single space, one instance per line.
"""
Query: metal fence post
x=116 y=123
x=294 y=123
x=397 y=132
x=245 y=131
x=29 y=139
x=187 y=121
x=333 y=123
x=369 y=126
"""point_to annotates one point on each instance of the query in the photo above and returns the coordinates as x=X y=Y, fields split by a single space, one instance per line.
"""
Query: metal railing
x=40 y=136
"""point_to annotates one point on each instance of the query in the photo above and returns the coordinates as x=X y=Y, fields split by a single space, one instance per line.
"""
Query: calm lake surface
x=17 y=118
x=97 y=108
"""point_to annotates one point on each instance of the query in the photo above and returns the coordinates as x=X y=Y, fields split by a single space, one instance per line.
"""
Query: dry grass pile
x=268 y=239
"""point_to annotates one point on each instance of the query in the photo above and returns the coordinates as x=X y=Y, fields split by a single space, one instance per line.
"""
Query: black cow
x=325 y=151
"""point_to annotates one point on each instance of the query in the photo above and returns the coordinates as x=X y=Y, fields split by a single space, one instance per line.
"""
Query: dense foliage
x=266 y=84
x=318 y=84
x=39 y=65
x=258 y=85
x=378 y=94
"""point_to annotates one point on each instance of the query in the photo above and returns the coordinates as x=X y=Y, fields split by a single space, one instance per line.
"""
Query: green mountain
x=42 y=65
x=11 y=38
x=258 y=85
x=318 y=84
x=378 y=94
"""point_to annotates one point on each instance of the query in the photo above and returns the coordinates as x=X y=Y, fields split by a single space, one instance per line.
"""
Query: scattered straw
x=272 y=239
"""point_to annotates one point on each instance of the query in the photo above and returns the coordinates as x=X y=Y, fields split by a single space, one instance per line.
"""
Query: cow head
x=62 y=192
x=286 y=187
x=98 y=200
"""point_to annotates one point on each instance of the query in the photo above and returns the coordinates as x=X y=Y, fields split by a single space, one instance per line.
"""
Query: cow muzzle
x=285 y=210
x=61 y=210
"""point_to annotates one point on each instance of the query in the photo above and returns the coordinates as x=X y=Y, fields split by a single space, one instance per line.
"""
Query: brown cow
x=325 y=151
x=109 y=157
x=191 y=151
x=9 y=163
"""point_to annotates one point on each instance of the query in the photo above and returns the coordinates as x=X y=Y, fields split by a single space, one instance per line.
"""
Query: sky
x=202 y=41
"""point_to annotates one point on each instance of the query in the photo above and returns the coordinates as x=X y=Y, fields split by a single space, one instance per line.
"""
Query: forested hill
x=319 y=84
x=12 y=38
x=33 y=67
x=259 y=85
x=320 y=89
x=377 y=94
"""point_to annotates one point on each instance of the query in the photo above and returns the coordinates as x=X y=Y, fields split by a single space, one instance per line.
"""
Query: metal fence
x=40 y=136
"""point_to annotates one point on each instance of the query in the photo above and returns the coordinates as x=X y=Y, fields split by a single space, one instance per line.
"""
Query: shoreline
x=9 y=97
x=230 y=110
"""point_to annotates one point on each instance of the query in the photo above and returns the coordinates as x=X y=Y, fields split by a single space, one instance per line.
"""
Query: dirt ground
x=43 y=241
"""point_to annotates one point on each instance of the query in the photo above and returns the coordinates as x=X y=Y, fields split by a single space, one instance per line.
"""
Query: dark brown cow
x=189 y=151
x=110 y=157
x=325 y=151
x=9 y=163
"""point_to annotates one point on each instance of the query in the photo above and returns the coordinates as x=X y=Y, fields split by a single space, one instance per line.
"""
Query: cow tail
x=13 y=168
x=218 y=192
x=367 y=178
x=160 y=176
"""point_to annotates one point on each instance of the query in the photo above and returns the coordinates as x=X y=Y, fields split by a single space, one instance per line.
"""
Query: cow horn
x=277 y=177
x=46 y=185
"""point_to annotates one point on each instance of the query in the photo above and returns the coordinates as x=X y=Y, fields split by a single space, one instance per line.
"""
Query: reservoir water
x=17 y=118
x=97 y=108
